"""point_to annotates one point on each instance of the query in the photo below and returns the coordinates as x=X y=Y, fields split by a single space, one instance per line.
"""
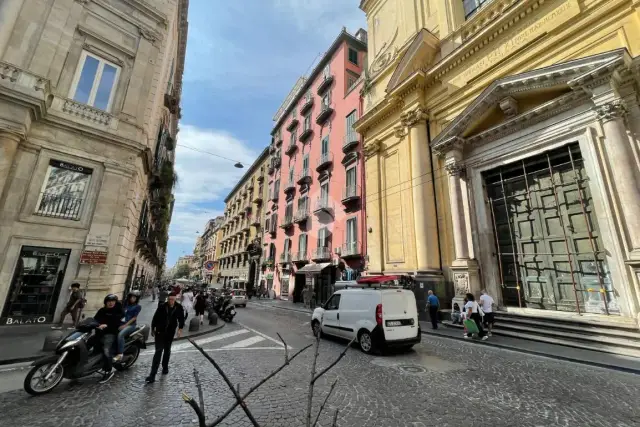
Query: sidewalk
x=560 y=352
x=24 y=343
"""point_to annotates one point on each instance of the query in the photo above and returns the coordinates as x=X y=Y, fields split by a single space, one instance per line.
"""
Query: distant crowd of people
x=474 y=315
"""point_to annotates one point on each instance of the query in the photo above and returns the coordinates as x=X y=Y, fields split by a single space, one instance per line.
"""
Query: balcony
x=289 y=187
x=327 y=79
x=293 y=123
x=306 y=134
x=323 y=205
x=57 y=206
x=351 y=250
x=272 y=230
x=255 y=220
x=257 y=198
x=325 y=112
x=301 y=215
x=247 y=209
x=275 y=196
x=271 y=168
x=291 y=148
x=268 y=261
x=351 y=140
x=278 y=140
x=260 y=177
x=287 y=222
x=304 y=177
x=276 y=162
x=322 y=253
x=301 y=257
x=325 y=160
x=350 y=193
x=307 y=103
x=285 y=258
x=172 y=102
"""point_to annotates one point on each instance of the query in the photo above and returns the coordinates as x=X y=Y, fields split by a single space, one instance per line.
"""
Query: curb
x=151 y=341
x=541 y=354
x=281 y=308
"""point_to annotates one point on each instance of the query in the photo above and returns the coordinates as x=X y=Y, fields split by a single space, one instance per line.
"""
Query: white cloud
x=325 y=18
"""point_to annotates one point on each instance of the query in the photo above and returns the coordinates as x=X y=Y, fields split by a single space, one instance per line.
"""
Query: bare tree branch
x=335 y=419
x=189 y=401
x=252 y=389
x=335 y=362
x=325 y=402
x=241 y=402
x=200 y=395
x=312 y=379
x=286 y=350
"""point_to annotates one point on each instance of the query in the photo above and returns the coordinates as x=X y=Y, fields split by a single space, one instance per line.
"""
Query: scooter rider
x=109 y=317
x=131 y=312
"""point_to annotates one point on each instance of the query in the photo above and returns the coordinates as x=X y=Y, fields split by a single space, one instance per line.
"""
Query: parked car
x=239 y=297
x=377 y=318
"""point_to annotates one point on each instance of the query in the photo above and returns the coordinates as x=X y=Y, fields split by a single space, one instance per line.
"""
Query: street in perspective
x=315 y=213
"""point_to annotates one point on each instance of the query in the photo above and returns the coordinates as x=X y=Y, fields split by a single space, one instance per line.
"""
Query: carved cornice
x=414 y=117
x=378 y=114
x=372 y=148
x=455 y=168
x=611 y=111
x=453 y=143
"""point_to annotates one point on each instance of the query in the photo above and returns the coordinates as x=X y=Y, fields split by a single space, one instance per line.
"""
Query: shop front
x=35 y=286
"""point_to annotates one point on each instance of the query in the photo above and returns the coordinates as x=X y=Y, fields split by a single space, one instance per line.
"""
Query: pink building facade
x=315 y=227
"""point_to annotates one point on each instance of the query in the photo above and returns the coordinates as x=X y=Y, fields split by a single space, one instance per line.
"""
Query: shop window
x=64 y=190
x=35 y=288
x=95 y=81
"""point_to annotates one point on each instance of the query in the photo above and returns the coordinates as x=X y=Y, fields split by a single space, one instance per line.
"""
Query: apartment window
x=326 y=100
x=287 y=245
x=302 y=203
x=351 y=178
x=352 y=236
x=292 y=139
x=324 y=192
x=63 y=191
x=351 y=119
x=351 y=81
x=288 y=212
x=302 y=244
x=170 y=81
x=326 y=72
x=325 y=145
x=472 y=6
x=267 y=224
x=353 y=56
x=294 y=113
x=305 y=162
x=276 y=187
x=95 y=81
x=323 y=237
x=291 y=174
x=307 y=121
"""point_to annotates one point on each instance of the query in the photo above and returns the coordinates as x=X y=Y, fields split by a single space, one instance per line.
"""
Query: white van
x=378 y=318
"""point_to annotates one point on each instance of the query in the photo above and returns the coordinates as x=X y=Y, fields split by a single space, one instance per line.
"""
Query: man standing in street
x=163 y=294
x=433 y=303
x=168 y=318
x=73 y=305
x=486 y=302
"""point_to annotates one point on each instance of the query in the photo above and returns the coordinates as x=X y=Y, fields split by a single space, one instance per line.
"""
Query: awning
x=313 y=268
x=377 y=279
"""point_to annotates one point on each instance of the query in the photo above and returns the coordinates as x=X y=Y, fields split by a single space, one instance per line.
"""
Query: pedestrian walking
x=168 y=319
x=162 y=296
x=153 y=292
x=486 y=302
x=200 y=306
x=473 y=313
x=187 y=302
x=74 y=305
x=433 y=305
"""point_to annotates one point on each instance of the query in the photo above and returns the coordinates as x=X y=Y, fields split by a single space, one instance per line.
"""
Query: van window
x=333 y=303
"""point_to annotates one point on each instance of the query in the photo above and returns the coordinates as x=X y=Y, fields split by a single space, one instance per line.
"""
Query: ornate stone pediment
x=521 y=100
x=419 y=56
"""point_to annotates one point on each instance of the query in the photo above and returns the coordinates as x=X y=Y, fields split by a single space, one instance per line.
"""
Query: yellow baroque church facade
x=501 y=141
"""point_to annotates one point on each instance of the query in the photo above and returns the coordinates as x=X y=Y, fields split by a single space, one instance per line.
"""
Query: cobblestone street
x=443 y=382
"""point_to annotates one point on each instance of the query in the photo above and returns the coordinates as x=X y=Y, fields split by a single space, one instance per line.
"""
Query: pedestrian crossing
x=241 y=339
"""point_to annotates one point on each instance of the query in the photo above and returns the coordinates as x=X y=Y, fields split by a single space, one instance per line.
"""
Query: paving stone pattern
x=444 y=383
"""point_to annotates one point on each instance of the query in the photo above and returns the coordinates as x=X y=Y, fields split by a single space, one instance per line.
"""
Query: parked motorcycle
x=79 y=355
x=225 y=308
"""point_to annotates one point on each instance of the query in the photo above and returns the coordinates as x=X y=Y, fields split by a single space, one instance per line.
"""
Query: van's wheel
x=365 y=341
x=317 y=330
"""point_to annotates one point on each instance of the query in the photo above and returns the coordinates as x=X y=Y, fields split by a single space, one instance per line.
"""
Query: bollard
x=194 y=324
x=213 y=319
x=52 y=339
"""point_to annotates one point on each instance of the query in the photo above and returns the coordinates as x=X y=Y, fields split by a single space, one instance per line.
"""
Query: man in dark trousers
x=168 y=318
x=433 y=303
x=73 y=305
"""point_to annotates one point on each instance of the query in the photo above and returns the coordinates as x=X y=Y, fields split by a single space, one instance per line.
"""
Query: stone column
x=8 y=147
x=622 y=161
x=9 y=11
x=424 y=210
x=457 y=211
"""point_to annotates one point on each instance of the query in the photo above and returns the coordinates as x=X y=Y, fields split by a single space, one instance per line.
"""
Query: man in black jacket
x=109 y=318
x=168 y=317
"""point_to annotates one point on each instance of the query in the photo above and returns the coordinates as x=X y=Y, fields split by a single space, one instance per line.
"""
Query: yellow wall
x=495 y=42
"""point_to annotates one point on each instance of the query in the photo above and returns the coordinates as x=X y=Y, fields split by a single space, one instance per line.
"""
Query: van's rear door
x=399 y=314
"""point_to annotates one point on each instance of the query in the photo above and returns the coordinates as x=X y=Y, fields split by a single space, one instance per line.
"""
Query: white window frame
x=355 y=175
x=353 y=220
x=96 y=79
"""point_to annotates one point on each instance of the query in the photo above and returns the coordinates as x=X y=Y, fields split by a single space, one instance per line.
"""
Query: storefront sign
x=71 y=167
x=97 y=240
x=26 y=320
x=93 y=257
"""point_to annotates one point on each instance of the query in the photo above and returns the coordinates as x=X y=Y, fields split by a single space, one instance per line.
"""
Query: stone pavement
x=31 y=337
x=443 y=382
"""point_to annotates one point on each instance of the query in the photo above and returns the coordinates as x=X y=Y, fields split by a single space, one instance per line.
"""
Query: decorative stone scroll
x=611 y=111
x=461 y=283
x=372 y=148
x=413 y=117
x=455 y=168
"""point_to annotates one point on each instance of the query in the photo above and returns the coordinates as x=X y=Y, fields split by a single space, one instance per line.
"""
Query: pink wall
x=343 y=103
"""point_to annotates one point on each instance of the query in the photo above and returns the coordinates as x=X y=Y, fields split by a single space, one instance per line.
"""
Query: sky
x=243 y=58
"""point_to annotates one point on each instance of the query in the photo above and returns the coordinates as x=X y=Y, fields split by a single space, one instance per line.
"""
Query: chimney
x=361 y=35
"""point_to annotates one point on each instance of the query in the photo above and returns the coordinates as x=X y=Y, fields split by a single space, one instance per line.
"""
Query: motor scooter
x=78 y=355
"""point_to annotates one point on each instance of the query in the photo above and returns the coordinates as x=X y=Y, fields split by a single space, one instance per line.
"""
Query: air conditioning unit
x=338 y=250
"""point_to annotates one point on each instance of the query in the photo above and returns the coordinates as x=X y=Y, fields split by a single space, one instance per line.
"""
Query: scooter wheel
x=34 y=382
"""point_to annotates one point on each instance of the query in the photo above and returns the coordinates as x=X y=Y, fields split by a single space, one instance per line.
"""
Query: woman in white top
x=471 y=308
x=187 y=302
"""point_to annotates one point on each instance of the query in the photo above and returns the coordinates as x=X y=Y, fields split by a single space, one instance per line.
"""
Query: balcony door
x=352 y=235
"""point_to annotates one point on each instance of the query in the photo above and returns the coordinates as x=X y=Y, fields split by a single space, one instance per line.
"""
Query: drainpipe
x=435 y=197
x=364 y=192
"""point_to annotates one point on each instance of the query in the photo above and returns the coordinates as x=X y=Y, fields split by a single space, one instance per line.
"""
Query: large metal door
x=548 y=245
